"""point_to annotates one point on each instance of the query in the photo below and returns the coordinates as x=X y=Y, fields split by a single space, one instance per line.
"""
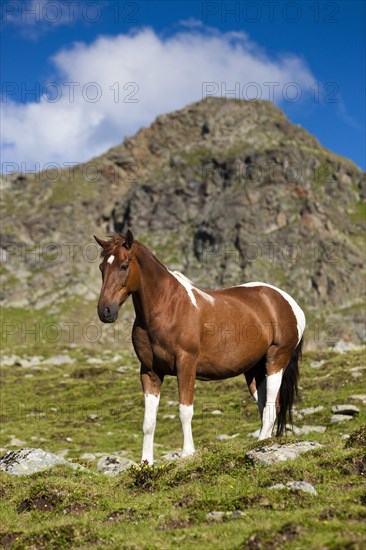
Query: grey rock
x=317 y=364
x=280 y=453
x=296 y=486
x=219 y=516
x=62 y=452
x=350 y=410
x=29 y=461
x=338 y=418
x=223 y=437
x=310 y=410
x=254 y=434
x=15 y=442
x=306 y=429
x=122 y=369
x=342 y=346
x=88 y=456
x=114 y=464
x=9 y=360
x=94 y=361
x=172 y=455
x=361 y=397
x=356 y=374
x=59 y=360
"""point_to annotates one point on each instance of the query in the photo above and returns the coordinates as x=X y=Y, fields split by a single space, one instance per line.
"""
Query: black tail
x=288 y=389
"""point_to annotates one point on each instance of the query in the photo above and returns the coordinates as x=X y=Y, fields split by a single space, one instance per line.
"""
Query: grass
x=166 y=506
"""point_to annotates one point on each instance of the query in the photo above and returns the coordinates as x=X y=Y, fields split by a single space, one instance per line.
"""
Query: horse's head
x=120 y=275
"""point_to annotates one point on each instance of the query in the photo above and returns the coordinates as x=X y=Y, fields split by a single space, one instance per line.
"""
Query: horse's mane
x=115 y=241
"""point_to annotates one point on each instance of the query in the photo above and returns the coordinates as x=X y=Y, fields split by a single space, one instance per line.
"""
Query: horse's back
x=269 y=305
x=295 y=308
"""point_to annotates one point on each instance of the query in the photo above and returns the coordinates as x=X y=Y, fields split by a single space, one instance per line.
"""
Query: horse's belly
x=229 y=355
x=225 y=366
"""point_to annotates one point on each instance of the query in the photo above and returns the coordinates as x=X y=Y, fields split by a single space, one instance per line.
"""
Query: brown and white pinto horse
x=253 y=329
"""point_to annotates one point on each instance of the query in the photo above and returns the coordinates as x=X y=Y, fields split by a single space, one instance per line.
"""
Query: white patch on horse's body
x=110 y=259
x=188 y=285
x=260 y=396
x=273 y=384
x=298 y=312
x=186 y=415
x=204 y=295
x=151 y=409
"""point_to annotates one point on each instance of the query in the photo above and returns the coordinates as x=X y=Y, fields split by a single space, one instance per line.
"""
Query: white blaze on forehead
x=184 y=281
x=298 y=312
x=110 y=259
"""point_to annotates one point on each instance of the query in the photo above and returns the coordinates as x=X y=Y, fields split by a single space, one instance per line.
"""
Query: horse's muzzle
x=108 y=314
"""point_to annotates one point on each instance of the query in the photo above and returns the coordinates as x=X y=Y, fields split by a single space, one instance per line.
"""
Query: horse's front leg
x=186 y=374
x=151 y=384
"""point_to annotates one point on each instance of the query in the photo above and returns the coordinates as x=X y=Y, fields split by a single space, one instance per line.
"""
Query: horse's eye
x=123 y=267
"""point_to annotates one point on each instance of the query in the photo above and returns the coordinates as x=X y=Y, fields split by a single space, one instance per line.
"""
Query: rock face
x=226 y=191
x=280 y=453
x=29 y=461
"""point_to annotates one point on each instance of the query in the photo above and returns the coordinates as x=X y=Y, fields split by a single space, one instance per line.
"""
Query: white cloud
x=123 y=82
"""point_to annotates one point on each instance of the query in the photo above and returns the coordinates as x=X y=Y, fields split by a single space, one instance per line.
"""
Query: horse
x=184 y=331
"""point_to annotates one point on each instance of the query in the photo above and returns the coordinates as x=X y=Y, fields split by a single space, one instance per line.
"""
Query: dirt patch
x=77 y=508
x=357 y=438
x=129 y=515
x=175 y=524
x=42 y=503
x=88 y=372
x=60 y=538
x=273 y=541
x=7 y=539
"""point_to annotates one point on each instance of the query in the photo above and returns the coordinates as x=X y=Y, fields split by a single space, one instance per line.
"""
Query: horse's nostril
x=107 y=310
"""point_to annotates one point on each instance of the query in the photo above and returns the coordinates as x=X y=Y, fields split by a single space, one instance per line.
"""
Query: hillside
x=226 y=191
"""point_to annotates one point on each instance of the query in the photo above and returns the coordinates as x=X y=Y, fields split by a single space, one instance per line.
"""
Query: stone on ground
x=351 y=410
x=114 y=463
x=29 y=461
x=296 y=486
x=279 y=453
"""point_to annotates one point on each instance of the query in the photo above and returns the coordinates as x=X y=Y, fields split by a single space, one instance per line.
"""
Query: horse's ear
x=128 y=239
x=100 y=242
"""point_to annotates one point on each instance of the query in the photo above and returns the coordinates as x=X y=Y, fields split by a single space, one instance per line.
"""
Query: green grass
x=167 y=507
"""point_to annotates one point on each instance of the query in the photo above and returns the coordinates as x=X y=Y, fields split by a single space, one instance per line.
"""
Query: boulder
x=338 y=418
x=296 y=486
x=28 y=461
x=304 y=430
x=279 y=453
x=114 y=464
x=350 y=410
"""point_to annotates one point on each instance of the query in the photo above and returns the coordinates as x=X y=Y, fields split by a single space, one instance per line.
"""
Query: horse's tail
x=288 y=389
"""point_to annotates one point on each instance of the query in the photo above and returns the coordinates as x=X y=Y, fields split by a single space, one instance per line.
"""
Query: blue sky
x=78 y=76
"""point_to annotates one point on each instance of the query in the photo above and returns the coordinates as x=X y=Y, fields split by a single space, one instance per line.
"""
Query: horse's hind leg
x=256 y=381
x=277 y=359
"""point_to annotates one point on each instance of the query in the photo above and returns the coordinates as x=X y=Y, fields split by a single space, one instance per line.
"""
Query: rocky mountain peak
x=226 y=191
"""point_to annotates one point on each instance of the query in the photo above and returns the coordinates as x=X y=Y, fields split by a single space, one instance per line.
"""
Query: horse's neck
x=155 y=282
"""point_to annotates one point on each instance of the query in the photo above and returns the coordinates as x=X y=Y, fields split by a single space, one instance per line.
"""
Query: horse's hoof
x=187 y=454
